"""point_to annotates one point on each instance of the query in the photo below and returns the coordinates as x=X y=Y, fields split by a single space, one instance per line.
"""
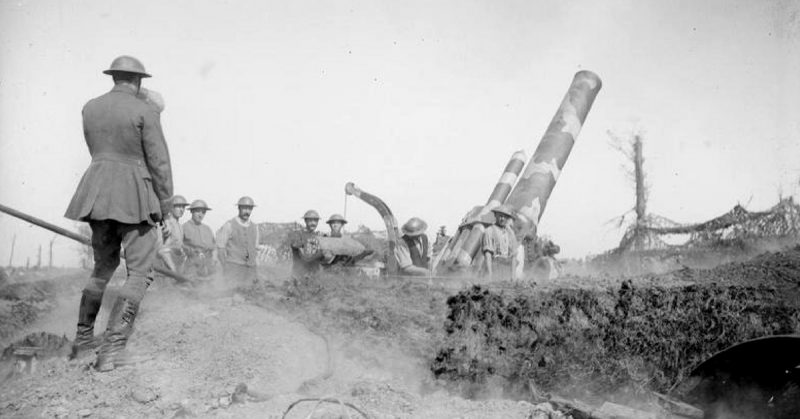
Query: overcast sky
x=419 y=102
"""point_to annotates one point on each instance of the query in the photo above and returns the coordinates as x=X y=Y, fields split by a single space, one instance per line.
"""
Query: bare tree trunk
x=11 y=258
x=39 y=259
x=638 y=163
x=50 y=265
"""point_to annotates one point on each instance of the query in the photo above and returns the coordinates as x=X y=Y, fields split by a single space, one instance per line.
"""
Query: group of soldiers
x=414 y=255
x=126 y=196
x=193 y=249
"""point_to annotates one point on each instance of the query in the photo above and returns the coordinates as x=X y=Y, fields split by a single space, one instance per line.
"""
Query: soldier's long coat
x=129 y=179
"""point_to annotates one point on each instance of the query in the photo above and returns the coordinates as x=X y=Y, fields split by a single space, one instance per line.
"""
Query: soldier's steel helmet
x=414 y=227
x=127 y=64
x=199 y=204
x=179 y=200
x=336 y=218
x=505 y=210
x=246 y=201
x=311 y=215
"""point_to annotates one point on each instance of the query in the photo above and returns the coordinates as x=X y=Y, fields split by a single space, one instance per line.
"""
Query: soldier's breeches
x=140 y=242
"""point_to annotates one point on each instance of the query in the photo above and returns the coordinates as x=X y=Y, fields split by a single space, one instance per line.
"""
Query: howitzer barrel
x=471 y=244
x=392 y=232
x=529 y=197
x=506 y=182
x=448 y=254
x=75 y=236
x=464 y=229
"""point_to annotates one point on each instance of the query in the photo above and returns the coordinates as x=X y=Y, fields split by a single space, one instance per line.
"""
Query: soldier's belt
x=107 y=156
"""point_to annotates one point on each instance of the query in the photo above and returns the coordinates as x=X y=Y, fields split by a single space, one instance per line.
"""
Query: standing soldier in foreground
x=413 y=253
x=172 y=252
x=237 y=245
x=123 y=194
x=499 y=245
x=198 y=242
x=305 y=247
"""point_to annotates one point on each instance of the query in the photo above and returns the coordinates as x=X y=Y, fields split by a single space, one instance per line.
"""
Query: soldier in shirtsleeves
x=499 y=245
x=198 y=242
x=237 y=245
x=413 y=253
x=171 y=251
x=305 y=247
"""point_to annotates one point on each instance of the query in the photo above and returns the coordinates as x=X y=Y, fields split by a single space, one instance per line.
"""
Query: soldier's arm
x=223 y=235
x=487 y=258
x=213 y=246
x=85 y=128
x=488 y=249
x=517 y=260
x=513 y=275
x=156 y=156
x=429 y=255
x=403 y=256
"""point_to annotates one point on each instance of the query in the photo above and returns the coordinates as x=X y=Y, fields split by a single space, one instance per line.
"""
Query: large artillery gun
x=527 y=194
x=533 y=187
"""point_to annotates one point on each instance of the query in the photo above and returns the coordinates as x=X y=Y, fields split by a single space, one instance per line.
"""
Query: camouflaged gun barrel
x=471 y=245
x=392 y=233
x=506 y=181
x=464 y=228
x=529 y=197
x=447 y=256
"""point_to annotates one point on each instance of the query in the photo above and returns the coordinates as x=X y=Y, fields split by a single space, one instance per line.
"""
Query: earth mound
x=617 y=341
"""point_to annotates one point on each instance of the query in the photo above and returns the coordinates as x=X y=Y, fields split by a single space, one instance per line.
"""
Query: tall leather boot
x=120 y=326
x=85 y=341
